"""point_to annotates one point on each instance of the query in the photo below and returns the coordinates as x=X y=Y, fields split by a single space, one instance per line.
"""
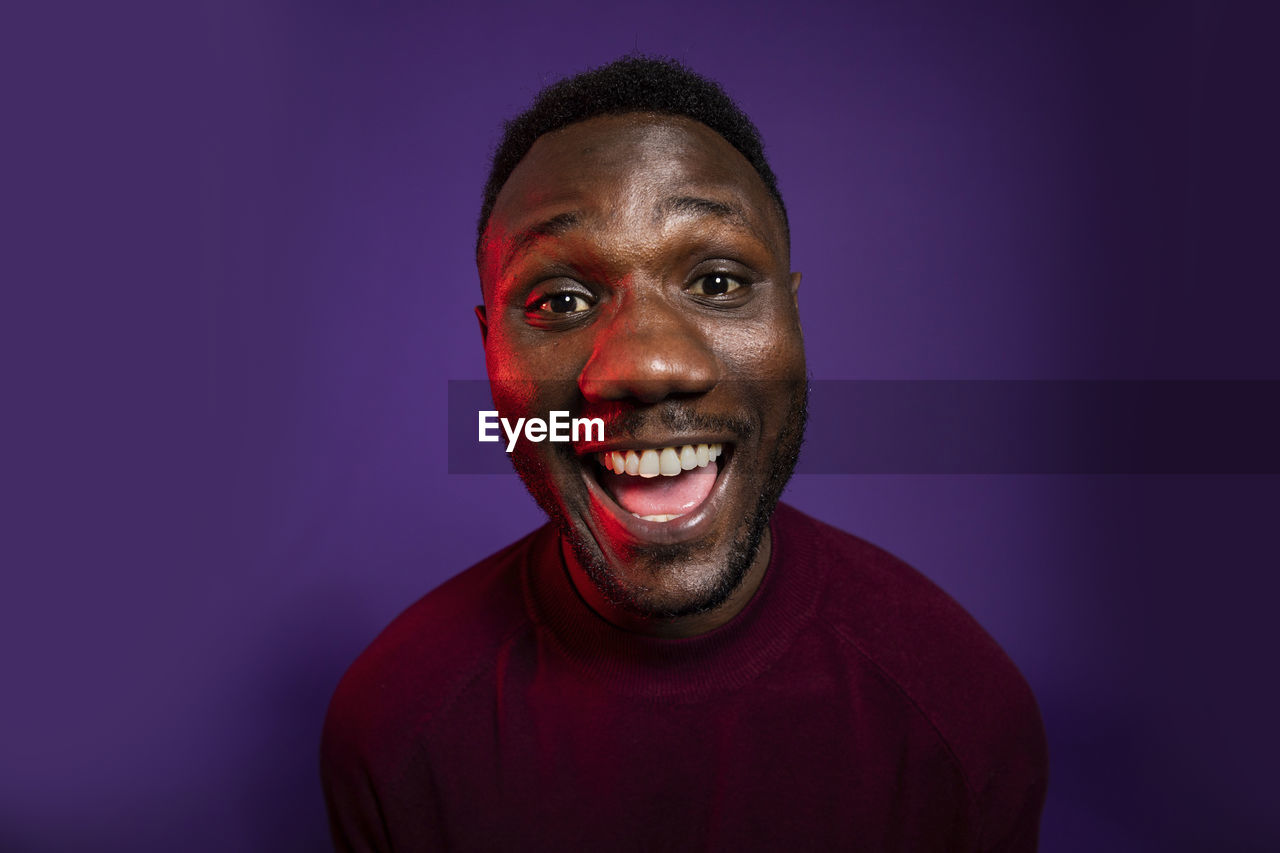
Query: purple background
x=238 y=275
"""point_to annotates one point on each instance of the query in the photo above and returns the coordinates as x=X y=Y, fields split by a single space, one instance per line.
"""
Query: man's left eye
x=563 y=303
x=716 y=284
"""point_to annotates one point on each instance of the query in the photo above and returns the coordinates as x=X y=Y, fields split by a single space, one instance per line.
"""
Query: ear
x=795 y=288
x=484 y=324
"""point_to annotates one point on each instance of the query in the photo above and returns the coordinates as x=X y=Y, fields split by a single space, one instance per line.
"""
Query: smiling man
x=677 y=661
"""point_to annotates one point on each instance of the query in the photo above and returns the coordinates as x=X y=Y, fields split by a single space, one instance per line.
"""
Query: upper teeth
x=664 y=461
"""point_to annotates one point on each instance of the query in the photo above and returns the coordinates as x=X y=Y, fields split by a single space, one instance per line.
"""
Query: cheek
x=524 y=354
x=769 y=348
x=503 y=357
x=764 y=359
x=530 y=380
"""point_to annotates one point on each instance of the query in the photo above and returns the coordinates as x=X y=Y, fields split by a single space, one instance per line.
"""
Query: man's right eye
x=562 y=303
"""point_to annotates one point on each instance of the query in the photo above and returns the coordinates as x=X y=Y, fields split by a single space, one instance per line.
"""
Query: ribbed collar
x=689 y=668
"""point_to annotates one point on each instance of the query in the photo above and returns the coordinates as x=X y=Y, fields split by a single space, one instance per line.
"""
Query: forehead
x=627 y=169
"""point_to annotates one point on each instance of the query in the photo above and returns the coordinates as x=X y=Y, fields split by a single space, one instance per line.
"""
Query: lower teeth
x=656 y=517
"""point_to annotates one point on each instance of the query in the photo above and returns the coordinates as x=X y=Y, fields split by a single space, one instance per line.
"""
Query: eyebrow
x=561 y=223
x=553 y=227
x=703 y=207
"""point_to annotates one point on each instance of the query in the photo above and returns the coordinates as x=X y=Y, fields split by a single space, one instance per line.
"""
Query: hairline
x=658 y=116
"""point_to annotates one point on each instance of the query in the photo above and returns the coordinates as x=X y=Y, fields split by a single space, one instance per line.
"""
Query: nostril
x=672 y=381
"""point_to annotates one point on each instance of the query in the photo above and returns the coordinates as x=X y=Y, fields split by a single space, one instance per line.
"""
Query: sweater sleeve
x=1013 y=795
x=378 y=811
x=356 y=816
x=379 y=782
x=379 y=790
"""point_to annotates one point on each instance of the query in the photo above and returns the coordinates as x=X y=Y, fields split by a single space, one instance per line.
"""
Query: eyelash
x=734 y=284
x=541 y=305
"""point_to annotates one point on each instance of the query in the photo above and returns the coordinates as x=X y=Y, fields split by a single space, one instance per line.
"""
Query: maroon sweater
x=851 y=705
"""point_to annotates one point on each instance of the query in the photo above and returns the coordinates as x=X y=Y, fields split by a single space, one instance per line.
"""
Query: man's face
x=636 y=269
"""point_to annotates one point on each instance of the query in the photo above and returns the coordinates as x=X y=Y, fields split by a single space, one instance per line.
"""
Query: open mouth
x=660 y=484
x=659 y=493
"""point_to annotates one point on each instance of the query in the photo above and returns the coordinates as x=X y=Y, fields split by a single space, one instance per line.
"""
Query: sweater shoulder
x=429 y=653
x=931 y=650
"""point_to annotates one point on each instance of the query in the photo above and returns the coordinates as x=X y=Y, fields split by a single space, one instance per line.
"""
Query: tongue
x=661 y=495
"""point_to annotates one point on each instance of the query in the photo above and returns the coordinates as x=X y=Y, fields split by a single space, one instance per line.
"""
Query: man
x=677 y=661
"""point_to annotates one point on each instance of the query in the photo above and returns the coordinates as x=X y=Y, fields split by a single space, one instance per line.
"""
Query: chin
x=670 y=581
x=667 y=519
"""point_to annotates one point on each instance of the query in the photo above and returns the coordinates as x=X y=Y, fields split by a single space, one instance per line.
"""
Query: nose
x=648 y=350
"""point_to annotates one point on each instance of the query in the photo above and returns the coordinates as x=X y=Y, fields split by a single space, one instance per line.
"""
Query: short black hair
x=632 y=84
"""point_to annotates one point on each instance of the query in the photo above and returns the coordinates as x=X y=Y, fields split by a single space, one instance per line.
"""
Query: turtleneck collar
x=686 y=668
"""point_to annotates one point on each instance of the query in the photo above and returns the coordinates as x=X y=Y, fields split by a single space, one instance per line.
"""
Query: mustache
x=667 y=416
